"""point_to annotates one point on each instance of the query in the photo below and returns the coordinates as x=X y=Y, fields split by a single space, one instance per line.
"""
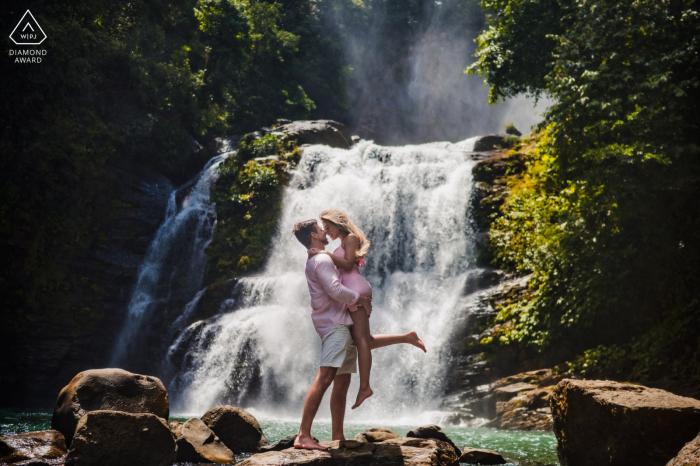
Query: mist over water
x=423 y=95
x=413 y=204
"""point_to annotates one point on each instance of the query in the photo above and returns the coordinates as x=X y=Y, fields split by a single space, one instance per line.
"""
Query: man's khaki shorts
x=337 y=350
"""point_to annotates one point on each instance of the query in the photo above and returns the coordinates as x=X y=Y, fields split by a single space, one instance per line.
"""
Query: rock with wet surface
x=327 y=132
x=237 y=429
x=283 y=444
x=432 y=431
x=689 y=455
x=600 y=423
x=113 y=438
x=480 y=456
x=107 y=389
x=376 y=434
x=196 y=443
x=401 y=451
x=46 y=444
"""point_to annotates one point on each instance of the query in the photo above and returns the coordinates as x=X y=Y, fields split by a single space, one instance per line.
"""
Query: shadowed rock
x=375 y=434
x=112 y=438
x=237 y=429
x=47 y=444
x=327 y=132
x=196 y=443
x=480 y=456
x=600 y=423
x=401 y=451
x=432 y=431
x=107 y=389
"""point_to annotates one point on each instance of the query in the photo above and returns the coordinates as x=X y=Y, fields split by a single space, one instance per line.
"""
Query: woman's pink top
x=353 y=279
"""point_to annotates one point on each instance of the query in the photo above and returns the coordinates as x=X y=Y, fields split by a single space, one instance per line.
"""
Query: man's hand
x=366 y=302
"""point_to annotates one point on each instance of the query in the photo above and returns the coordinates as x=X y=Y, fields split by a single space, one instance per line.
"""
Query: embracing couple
x=341 y=304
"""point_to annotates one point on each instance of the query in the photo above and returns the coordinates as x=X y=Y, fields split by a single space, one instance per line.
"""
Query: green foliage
x=248 y=197
x=605 y=217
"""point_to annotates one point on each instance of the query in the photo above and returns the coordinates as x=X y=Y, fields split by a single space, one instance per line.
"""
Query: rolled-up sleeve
x=328 y=277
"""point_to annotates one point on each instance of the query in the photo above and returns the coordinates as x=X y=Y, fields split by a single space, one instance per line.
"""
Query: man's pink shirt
x=329 y=298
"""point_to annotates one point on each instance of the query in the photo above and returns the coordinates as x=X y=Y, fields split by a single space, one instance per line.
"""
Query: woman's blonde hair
x=343 y=222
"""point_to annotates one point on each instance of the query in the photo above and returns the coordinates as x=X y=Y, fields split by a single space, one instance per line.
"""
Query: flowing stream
x=261 y=350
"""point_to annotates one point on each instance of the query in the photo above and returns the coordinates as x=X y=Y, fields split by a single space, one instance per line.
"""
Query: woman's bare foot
x=307 y=443
x=415 y=341
x=362 y=395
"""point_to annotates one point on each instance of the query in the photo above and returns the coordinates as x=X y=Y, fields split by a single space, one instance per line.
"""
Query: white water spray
x=412 y=202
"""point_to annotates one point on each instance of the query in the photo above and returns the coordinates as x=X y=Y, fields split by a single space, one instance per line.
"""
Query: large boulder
x=196 y=443
x=609 y=423
x=689 y=455
x=107 y=389
x=113 y=438
x=432 y=431
x=376 y=434
x=238 y=429
x=480 y=456
x=47 y=444
x=327 y=132
x=401 y=451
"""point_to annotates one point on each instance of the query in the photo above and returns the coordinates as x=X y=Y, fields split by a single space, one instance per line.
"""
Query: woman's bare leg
x=360 y=335
x=411 y=338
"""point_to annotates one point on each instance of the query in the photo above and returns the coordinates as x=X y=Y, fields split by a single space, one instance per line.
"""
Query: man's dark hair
x=303 y=230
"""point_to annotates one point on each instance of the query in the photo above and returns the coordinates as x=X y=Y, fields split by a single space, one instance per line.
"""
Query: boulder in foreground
x=107 y=389
x=196 y=443
x=689 y=455
x=113 y=438
x=376 y=434
x=47 y=444
x=237 y=429
x=326 y=132
x=480 y=456
x=600 y=423
x=432 y=431
x=402 y=451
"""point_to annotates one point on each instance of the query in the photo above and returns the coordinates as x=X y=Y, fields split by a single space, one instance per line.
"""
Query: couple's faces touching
x=321 y=234
x=329 y=229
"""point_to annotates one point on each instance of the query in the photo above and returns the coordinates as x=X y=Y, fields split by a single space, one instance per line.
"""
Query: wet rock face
x=107 y=389
x=327 y=132
x=432 y=431
x=689 y=455
x=112 y=438
x=480 y=456
x=196 y=443
x=608 y=423
x=237 y=429
x=376 y=434
x=401 y=451
x=43 y=445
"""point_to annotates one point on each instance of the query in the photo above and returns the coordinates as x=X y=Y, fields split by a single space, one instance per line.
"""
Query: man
x=329 y=299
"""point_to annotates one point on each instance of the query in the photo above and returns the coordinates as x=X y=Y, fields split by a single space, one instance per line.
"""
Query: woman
x=348 y=257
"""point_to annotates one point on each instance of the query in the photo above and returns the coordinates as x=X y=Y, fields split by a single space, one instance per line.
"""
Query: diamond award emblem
x=28 y=31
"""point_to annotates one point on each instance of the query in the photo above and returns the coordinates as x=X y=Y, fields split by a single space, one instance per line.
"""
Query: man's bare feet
x=307 y=443
x=415 y=341
x=362 y=395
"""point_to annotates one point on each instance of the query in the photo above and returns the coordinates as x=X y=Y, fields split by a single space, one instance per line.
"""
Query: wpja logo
x=28 y=32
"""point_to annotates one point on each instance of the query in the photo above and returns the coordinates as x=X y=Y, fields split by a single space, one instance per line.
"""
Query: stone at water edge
x=327 y=132
x=283 y=444
x=196 y=443
x=401 y=451
x=599 y=423
x=113 y=438
x=237 y=429
x=432 y=431
x=689 y=455
x=480 y=456
x=376 y=434
x=107 y=389
x=46 y=444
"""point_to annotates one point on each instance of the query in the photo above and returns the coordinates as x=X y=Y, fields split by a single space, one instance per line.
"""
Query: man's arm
x=328 y=277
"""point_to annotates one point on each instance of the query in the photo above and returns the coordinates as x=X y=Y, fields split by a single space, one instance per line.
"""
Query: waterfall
x=261 y=351
x=171 y=273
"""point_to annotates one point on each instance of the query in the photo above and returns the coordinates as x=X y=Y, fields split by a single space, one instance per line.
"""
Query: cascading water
x=172 y=272
x=261 y=351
